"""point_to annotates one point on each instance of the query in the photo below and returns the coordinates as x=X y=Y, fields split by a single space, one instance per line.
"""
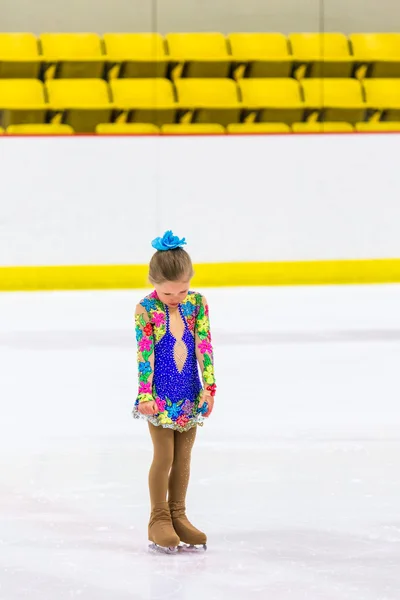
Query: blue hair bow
x=168 y=241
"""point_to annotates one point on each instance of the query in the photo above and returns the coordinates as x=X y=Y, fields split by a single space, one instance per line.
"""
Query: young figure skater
x=173 y=335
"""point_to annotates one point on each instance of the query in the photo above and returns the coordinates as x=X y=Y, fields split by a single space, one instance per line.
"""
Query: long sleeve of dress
x=204 y=349
x=145 y=354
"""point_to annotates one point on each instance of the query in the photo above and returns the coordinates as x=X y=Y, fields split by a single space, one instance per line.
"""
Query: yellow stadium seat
x=260 y=55
x=252 y=128
x=198 y=55
x=127 y=129
x=22 y=101
x=272 y=99
x=376 y=54
x=1 y=131
x=144 y=100
x=19 y=56
x=379 y=126
x=383 y=96
x=72 y=55
x=321 y=55
x=208 y=100
x=193 y=129
x=334 y=99
x=42 y=129
x=323 y=127
x=81 y=103
x=136 y=54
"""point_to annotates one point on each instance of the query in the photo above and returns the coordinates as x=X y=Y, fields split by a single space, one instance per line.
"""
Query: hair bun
x=168 y=241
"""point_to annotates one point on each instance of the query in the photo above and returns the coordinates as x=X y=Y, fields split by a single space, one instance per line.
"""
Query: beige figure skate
x=192 y=538
x=161 y=531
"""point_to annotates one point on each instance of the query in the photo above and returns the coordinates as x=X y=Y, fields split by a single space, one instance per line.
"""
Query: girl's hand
x=148 y=408
x=206 y=397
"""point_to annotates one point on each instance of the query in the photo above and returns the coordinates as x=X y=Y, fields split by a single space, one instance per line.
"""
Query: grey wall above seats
x=199 y=15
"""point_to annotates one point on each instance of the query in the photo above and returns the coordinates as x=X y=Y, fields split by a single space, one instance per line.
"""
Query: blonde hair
x=170 y=265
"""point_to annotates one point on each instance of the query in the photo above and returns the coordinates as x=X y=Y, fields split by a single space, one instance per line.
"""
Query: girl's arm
x=204 y=349
x=145 y=353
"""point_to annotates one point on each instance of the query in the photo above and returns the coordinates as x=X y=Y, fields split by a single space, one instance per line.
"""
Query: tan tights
x=170 y=469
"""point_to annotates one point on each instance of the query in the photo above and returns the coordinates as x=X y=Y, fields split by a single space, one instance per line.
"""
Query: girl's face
x=172 y=293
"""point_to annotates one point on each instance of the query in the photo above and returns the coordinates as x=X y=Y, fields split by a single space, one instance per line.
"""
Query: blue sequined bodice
x=169 y=381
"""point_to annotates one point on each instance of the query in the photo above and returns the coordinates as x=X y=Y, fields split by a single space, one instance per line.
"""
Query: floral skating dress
x=169 y=367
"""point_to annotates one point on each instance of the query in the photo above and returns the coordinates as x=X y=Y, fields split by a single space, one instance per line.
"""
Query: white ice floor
x=295 y=479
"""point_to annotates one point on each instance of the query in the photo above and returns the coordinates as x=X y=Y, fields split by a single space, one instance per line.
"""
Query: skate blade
x=189 y=548
x=161 y=550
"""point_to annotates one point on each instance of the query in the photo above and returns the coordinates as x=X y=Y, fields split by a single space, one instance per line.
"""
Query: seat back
x=78 y=93
x=18 y=46
x=308 y=46
x=67 y=46
x=207 y=92
x=258 y=46
x=21 y=93
x=381 y=92
x=145 y=93
x=332 y=92
x=278 y=92
x=370 y=47
x=189 y=46
x=131 y=46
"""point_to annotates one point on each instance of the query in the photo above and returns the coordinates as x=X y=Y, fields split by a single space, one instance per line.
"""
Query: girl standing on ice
x=173 y=335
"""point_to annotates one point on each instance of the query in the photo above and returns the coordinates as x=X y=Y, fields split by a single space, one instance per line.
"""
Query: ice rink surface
x=295 y=477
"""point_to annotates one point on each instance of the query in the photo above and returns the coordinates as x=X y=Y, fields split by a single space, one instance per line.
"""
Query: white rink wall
x=263 y=198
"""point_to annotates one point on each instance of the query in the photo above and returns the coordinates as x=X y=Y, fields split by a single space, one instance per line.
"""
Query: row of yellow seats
x=207 y=128
x=88 y=55
x=84 y=103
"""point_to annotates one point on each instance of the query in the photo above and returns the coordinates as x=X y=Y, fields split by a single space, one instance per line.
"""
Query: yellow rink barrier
x=102 y=277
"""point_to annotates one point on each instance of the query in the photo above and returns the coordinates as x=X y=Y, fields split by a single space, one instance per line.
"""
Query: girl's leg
x=161 y=531
x=180 y=471
x=178 y=484
x=163 y=443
